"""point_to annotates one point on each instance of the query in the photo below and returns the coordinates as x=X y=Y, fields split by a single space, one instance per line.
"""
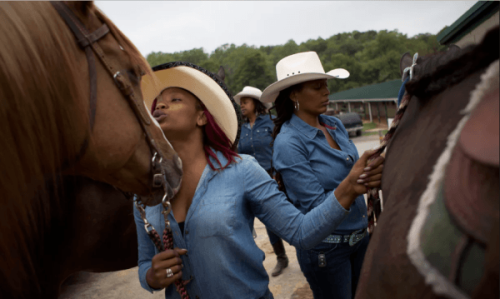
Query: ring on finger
x=169 y=273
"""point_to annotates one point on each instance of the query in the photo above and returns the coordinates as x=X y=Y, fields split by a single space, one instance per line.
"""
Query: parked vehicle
x=352 y=122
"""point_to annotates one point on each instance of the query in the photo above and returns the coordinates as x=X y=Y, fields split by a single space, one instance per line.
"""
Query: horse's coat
x=440 y=284
x=440 y=91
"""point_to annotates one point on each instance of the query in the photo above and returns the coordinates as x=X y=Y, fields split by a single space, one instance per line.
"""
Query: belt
x=353 y=238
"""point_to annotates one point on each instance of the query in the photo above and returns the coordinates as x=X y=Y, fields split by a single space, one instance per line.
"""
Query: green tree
x=252 y=71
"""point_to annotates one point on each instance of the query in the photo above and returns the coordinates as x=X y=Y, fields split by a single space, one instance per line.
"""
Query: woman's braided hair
x=284 y=109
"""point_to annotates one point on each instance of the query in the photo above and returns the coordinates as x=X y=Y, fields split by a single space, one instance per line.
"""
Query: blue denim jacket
x=312 y=170
x=223 y=260
x=256 y=141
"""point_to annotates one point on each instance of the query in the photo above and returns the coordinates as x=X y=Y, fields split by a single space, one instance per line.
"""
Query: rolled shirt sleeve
x=301 y=183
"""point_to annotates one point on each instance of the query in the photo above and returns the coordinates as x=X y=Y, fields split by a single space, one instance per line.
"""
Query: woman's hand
x=360 y=178
x=371 y=175
x=169 y=259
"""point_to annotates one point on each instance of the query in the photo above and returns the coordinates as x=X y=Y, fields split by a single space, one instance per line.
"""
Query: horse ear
x=406 y=61
x=221 y=73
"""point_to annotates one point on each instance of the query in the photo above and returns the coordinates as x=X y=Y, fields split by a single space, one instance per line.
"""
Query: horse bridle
x=88 y=42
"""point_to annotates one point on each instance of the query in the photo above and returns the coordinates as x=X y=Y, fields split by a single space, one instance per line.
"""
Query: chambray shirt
x=312 y=170
x=223 y=260
x=256 y=141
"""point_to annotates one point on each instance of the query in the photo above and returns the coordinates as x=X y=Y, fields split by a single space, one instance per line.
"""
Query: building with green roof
x=471 y=27
x=379 y=100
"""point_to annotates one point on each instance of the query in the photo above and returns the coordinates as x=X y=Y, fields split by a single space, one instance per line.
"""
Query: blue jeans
x=273 y=238
x=339 y=278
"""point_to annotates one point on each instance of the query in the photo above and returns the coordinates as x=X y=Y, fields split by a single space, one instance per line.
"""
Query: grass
x=369 y=126
x=374 y=133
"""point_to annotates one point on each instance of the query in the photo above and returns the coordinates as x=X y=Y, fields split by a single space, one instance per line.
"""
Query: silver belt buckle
x=353 y=238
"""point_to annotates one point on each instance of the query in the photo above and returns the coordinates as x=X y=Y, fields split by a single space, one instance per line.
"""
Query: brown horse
x=46 y=125
x=438 y=235
x=92 y=229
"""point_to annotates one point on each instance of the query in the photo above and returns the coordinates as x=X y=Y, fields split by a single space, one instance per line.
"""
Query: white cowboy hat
x=202 y=84
x=298 y=68
x=251 y=92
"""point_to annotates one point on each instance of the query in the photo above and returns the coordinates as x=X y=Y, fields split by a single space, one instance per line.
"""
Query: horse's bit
x=88 y=42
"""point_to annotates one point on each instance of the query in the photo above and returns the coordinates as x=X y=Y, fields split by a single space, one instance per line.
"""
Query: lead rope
x=374 y=203
x=168 y=239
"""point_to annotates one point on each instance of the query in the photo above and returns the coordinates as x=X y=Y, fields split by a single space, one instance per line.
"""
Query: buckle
x=355 y=237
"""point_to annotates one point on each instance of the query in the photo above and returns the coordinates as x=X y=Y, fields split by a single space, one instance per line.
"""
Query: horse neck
x=38 y=126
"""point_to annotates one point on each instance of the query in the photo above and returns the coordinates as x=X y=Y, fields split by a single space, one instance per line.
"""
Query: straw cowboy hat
x=203 y=84
x=298 y=68
x=251 y=92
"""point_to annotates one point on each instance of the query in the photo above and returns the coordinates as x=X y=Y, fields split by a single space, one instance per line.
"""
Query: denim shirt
x=256 y=141
x=223 y=260
x=312 y=170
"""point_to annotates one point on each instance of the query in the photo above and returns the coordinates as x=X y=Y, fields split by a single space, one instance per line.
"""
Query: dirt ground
x=291 y=284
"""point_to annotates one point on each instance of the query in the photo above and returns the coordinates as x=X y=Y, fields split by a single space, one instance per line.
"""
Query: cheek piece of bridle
x=88 y=42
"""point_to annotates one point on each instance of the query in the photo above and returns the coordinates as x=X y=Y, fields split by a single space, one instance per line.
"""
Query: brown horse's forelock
x=39 y=116
x=437 y=72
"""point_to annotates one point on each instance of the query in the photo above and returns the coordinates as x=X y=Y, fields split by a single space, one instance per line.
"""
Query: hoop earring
x=297 y=106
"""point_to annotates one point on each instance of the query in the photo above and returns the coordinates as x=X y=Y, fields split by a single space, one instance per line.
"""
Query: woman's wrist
x=150 y=280
x=345 y=194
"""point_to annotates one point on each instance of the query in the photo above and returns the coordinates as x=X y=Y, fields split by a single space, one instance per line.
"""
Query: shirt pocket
x=264 y=137
x=217 y=216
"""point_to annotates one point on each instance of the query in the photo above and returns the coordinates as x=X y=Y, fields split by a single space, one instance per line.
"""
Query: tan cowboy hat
x=298 y=68
x=251 y=92
x=203 y=85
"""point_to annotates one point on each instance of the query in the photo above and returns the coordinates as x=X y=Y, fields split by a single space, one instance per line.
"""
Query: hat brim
x=270 y=94
x=237 y=98
x=215 y=99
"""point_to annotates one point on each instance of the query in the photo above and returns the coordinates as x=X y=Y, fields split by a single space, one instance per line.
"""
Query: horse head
x=50 y=123
x=123 y=134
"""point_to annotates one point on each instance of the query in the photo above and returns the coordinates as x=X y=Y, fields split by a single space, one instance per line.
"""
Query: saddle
x=472 y=180
x=471 y=189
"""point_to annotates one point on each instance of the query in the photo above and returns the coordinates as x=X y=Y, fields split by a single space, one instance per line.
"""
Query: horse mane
x=439 y=71
x=42 y=116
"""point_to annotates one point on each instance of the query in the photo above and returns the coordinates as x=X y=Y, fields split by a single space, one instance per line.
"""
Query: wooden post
x=370 y=111
x=378 y=112
x=349 y=106
x=386 y=115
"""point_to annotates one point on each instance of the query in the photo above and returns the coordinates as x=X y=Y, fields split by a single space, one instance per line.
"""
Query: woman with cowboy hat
x=314 y=159
x=256 y=139
x=212 y=214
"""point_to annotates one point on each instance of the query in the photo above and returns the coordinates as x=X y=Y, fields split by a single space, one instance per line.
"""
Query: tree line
x=371 y=57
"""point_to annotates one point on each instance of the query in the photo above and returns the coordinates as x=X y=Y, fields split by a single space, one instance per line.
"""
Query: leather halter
x=88 y=42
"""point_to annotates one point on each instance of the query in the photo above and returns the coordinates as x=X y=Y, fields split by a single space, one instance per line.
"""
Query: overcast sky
x=173 y=26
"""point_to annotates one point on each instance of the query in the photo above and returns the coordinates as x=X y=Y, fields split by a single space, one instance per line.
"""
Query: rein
x=89 y=43
x=374 y=203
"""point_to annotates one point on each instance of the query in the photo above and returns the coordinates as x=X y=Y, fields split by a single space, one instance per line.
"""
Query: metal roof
x=475 y=16
x=386 y=91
